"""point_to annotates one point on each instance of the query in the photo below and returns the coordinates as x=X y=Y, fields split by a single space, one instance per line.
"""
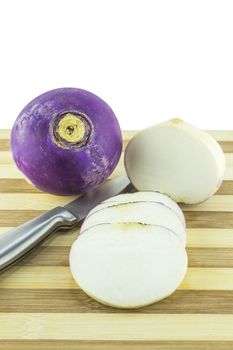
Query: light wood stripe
x=76 y=301
x=59 y=256
x=219 y=135
x=227 y=146
x=196 y=238
x=116 y=327
x=228 y=176
x=229 y=159
x=212 y=238
x=44 y=201
x=5 y=133
x=215 y=203
x=224 y=138
x=10 y=171
x=6 y=158
x=37 y=277
x=128 y=134
x=60 y=278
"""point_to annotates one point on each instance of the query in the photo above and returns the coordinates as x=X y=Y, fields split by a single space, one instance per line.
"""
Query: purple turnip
x=66 y=141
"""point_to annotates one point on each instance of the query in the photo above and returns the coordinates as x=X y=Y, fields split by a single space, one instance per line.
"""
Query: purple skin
x=54 y=164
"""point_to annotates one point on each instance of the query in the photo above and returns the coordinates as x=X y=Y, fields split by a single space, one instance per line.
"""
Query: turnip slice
x=128 y=265
x=148 y=196
x=139 y=212
x=177 y=159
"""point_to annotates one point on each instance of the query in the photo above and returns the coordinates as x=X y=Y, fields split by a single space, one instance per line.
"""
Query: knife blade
x=15 y=243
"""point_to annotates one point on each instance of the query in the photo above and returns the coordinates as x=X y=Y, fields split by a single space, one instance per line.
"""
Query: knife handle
x=16 y=242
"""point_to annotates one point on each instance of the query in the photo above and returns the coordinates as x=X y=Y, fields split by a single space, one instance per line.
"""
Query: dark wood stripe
x=226 y=188
x=227 y=146
x=76 y=301
x=209 y=219
x=195 y=219
x=47 y=256
x=17 y=186
x=59 y=256
x=17 y=217
x=22 y=186
x=113 y=345
x=4 y=145
x=210 y=257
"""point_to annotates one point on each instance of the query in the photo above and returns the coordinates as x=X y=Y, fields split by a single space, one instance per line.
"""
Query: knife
x=15 y=243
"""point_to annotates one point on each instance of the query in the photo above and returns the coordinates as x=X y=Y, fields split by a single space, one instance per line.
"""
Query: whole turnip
x=66 y=141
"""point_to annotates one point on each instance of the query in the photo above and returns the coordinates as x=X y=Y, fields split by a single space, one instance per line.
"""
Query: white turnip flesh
x=128 y=265
x=177 y=159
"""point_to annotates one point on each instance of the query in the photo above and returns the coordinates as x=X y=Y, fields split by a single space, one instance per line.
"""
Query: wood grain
x=76 y=301
x=23 y=186
x=194 y=219
x=59 y=256
x=10 y=171
x=116 y=326
x=6 y=158
x=114 y=345
x=44 y=201
x=42 y=307
x=59 y=277
x=196 y=237
x=223 y=137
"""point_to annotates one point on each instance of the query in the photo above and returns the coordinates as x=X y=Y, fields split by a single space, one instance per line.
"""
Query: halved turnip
x=141 y=197
x=141 y=212
x=128 y=265
x=177 y=159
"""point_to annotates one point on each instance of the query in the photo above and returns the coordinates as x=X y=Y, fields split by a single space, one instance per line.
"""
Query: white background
x=149 y=60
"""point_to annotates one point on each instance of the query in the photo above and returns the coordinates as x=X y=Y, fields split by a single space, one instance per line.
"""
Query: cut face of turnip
x=139 y=212
x=177 y=159
x=142 y=197
x=128 y=265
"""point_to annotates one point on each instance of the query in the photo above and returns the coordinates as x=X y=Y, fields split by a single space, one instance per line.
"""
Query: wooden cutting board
x=42 y=307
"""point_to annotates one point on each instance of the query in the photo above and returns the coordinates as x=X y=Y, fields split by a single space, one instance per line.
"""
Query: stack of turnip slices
x=131 y=250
